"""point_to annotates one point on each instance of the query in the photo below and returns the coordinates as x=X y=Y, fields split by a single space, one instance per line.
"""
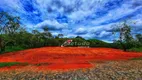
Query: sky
x=86 y=18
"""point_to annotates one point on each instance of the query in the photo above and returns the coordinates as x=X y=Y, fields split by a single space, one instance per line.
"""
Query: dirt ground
x=70 y=63
x=103 y=70
x=54 y=58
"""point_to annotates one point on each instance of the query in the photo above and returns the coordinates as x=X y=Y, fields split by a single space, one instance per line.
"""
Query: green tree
x=46 y=36
x=46 y=32
x=36 y=39
x=9 y=26
x=125 y=36
x=139 y=37
x=80 y=37
x=60 y=35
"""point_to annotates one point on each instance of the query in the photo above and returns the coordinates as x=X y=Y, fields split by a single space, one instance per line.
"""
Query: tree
x=80 y=37
x=125 y=36
x=139 y=37
x=2 y=47
x=138 y=41
x=9 y=26
x=23 y=38
x=60 y=35
x=36 y=38
x=1 y=30
x=46 y=32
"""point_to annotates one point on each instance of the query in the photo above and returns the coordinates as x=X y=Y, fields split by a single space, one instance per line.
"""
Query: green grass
x=140 y=58
x=8 y=64
x=136 y=49
x=14 y=48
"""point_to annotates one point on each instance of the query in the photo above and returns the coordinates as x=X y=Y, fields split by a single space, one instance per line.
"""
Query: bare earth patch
x=108 y=70
x=56 y=63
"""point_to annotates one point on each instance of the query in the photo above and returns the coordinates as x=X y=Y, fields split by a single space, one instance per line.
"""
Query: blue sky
x=86 y=18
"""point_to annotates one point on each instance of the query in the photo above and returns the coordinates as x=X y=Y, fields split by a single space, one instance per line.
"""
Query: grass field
x=8 y=64
x=136 y=49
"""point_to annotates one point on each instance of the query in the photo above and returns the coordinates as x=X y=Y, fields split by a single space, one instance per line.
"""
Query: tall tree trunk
x=123 y=46
x=2 y=47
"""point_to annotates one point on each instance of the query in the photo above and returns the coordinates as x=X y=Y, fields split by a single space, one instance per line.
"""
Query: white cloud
x=54 y=33
x=116 y=13
x=104 y=34
x=81 y=31
x=86 y=9
x=12 y=5
x=52 y=25
x=80 y=15
x=70 y=35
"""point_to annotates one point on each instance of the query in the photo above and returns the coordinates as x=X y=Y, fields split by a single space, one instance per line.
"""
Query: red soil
x=66 y=58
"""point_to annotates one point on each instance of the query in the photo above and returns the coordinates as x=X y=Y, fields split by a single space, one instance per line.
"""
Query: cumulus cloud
x=136 y=3
x=52 y=25
x=115 y=14
x=81 y=31
x=87 y=18
x=137 y=26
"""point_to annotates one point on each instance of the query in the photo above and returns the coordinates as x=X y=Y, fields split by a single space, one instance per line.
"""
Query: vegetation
x=97 y=43
x=136 y=49
x=14 y=48
x=14 y=37
x=140 y=58
x=8 y=64
x=126 y=40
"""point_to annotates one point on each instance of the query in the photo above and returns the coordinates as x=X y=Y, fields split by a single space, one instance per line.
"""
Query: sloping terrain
x=55 y=58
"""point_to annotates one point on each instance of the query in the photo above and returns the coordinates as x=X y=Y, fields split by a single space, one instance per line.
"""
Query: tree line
x=14 y=37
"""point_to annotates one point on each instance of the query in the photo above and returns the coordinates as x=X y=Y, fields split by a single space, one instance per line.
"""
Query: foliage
x=125 y=37
x=13 y=48
x=9 y=26
x=139 y=38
